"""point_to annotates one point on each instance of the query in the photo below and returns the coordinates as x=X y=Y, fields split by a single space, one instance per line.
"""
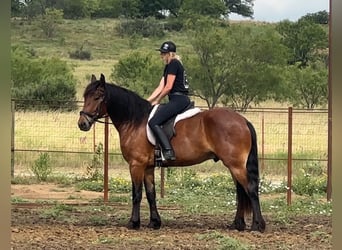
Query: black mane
x=124 y=105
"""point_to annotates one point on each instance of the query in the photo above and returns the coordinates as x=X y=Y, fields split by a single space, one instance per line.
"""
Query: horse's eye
x=97 y=98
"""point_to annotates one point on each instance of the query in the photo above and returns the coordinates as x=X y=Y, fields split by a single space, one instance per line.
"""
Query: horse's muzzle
x=84 y=123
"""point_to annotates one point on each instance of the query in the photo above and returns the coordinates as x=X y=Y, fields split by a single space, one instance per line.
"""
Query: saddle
x=168 y=126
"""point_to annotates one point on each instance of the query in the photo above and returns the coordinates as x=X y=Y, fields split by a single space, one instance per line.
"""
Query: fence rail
x=56 y=132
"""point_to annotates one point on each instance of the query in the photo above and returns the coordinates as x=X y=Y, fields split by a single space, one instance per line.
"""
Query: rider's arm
x=157 y=91
x=166 y=90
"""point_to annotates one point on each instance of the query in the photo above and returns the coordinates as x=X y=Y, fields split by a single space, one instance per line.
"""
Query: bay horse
x=218 y=133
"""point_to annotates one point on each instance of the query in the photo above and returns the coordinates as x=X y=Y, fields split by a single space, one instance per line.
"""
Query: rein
x=95 y=117
x=104 y=122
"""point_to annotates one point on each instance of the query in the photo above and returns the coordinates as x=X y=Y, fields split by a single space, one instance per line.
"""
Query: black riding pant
x=176 y=104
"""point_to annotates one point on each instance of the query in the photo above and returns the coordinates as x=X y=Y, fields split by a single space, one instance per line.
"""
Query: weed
x=41 y=167
x=93 y=170
x=307 y=184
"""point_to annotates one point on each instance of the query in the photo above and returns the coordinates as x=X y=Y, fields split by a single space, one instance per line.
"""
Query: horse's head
x=94 y=106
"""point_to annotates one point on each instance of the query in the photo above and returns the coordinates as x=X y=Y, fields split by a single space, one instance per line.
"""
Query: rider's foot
x=169 y=155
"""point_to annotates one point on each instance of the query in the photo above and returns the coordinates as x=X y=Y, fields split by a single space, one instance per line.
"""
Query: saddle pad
x=188 y=113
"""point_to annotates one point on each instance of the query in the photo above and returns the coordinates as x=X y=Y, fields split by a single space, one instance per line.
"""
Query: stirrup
x=168 y=155
x=158 y=158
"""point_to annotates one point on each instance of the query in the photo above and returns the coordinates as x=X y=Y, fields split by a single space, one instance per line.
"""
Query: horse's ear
x=102 y=79
x=93 y=78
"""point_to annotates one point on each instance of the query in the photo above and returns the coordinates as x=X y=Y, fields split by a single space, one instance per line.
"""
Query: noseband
x=93 y=117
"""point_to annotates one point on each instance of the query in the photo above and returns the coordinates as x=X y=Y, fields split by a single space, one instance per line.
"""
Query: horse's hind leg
x=243 y=203
x=150 y=189
x=247 y=198
x=258 y=223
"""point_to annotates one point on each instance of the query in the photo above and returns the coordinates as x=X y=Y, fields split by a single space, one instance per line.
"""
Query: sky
x=279 y=10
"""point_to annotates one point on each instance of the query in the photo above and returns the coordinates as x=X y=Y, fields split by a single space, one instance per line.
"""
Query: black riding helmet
x=167 y=47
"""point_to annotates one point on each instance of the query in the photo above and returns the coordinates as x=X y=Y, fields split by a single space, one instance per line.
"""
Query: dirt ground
x=95 y=227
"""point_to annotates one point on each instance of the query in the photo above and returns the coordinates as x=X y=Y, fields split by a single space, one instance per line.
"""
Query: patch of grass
x=18 y=200
x=321 y=236
x=61 y=180
x=224 y=242
x=90 y=185
x=106 y=240
x=119 y=185
x=119 y=198
x=98 y=220
x=282 y=213
x=57 y=211
x=24 y=180
x=72 y=197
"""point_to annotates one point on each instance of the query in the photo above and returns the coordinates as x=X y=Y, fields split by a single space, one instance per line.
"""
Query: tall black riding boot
x=167 y=149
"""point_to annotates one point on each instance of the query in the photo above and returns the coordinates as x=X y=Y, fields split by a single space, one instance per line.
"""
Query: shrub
x=80 y=54
x=49 y=21
x=174 y=24
x=307 y=184
x=93 y=170
x=148 y=27
x=41 y=167
x=49 y=81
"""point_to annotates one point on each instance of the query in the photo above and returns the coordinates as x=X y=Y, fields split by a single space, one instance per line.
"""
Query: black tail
x=252 y=161
x=244 y=198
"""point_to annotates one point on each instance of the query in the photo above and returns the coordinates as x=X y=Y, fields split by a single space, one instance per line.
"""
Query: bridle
x=95 y=116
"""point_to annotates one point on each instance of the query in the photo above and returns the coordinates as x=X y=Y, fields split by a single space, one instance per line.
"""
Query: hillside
x=97 y=36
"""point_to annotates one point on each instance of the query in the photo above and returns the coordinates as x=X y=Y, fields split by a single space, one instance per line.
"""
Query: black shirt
x=175 y=68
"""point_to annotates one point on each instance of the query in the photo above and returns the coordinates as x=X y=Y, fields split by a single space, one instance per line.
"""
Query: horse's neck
x=124 y=127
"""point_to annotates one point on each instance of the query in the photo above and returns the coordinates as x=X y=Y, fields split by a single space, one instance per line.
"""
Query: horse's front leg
x=137 y=176
x=150 y=189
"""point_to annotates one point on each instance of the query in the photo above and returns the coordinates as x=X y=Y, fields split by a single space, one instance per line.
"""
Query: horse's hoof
x=240 y=226
x=154 y=224
x=133 y=225
x=258 y=226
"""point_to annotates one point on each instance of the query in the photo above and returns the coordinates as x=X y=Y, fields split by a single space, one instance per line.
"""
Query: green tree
x=138 y=71
x=320 y=17
x=17 y=8
x=236 y=65
x=117 y=8
x=50 y=81
x=49 y=21
x=76 y=9
x=307 y=87
x=176 y=8
x=240 y=7
x=34 y=8
x=304 y=39
x=211 y=8
x=107 y=8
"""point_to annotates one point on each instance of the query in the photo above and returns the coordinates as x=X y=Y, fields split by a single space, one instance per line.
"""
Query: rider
x=172 y=83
